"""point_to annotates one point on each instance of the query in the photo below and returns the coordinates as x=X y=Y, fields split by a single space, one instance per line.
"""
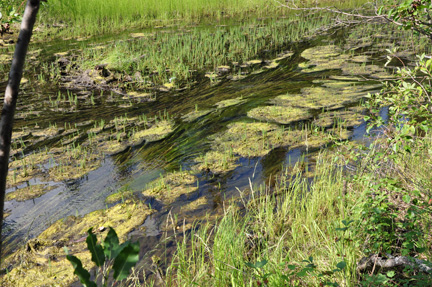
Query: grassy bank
x=97 y=16
x=306 y=234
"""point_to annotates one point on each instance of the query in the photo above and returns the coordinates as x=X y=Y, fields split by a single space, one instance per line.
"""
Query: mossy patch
x=42 y=262
x=156 y=132
x=237 y=77
x=26 y=168
x=251 y=63
x=230 y=102
x=372 y=71
x=341 y=133
x=29 y=192
x=322 y=58
x=360 y=59
x=137 y=95
x=190 y=117
x=170 y=186
x=321 y=52
x=194 y=204
x=217 y=161
x=258 y=139
x=48 y=132
x=111 y=146
x=330 y=98
x=271 y=65
x=73 y=165
x=340 y=118
x=279 y=114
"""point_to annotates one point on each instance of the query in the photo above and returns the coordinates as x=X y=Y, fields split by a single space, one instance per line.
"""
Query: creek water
x=139 y=165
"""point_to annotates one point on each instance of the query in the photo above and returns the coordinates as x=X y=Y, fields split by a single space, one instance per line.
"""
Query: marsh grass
x=283 y=225
x=174 y=56
x=100 y=16
x=325 y=217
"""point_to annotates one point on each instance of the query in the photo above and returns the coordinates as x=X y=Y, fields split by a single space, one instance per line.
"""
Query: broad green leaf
x=341 y=265
x=125 y=260
x=261 y=264
x=83 y=275
x=292 y=267
x=111 y=244
x=95 y=249
x=406 y=198
x=341 y=229
x=390 y=274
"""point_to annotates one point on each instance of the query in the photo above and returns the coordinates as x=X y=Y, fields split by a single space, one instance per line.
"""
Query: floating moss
x=42 y=262
x=321 y=52
x=217 y=161
x=48 y=132
x=190 y=117
x=251 y=63
x=156 y=132
x=191 y=206
x=330 y=98
x=322 y=58
x=341 y=133
x=236 y=77
x=71 y=167
x=172 y=185
x=29 y=192
x=341 y=118
x=360 y=59
x=258 y=139
x=279 y=114
x=372 y=71
x=111 y=146
x=26 y=168
x=271 y=65
x=230 y=102
x=139 y=95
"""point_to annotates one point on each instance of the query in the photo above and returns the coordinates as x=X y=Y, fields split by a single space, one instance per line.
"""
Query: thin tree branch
x=11 y=96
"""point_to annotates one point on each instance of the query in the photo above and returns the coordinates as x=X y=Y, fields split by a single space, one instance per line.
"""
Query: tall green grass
x=98 y=16
x=328 y=219
x=286 y=226
x=161 y=56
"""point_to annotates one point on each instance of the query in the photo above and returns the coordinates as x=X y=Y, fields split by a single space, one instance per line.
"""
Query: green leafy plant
x=409 y=14
x=110 y=255
x=8 y=13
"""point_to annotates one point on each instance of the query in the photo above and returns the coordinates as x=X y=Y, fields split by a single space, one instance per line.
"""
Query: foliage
x=410 y=14
x=8 y=12
x=109 y=256
x=396 y=204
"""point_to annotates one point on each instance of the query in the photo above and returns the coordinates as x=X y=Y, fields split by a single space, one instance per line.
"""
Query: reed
x=101 y=16
x=174 y=56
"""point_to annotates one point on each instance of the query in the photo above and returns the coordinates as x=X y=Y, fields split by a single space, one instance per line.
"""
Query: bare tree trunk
x=11 y=96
